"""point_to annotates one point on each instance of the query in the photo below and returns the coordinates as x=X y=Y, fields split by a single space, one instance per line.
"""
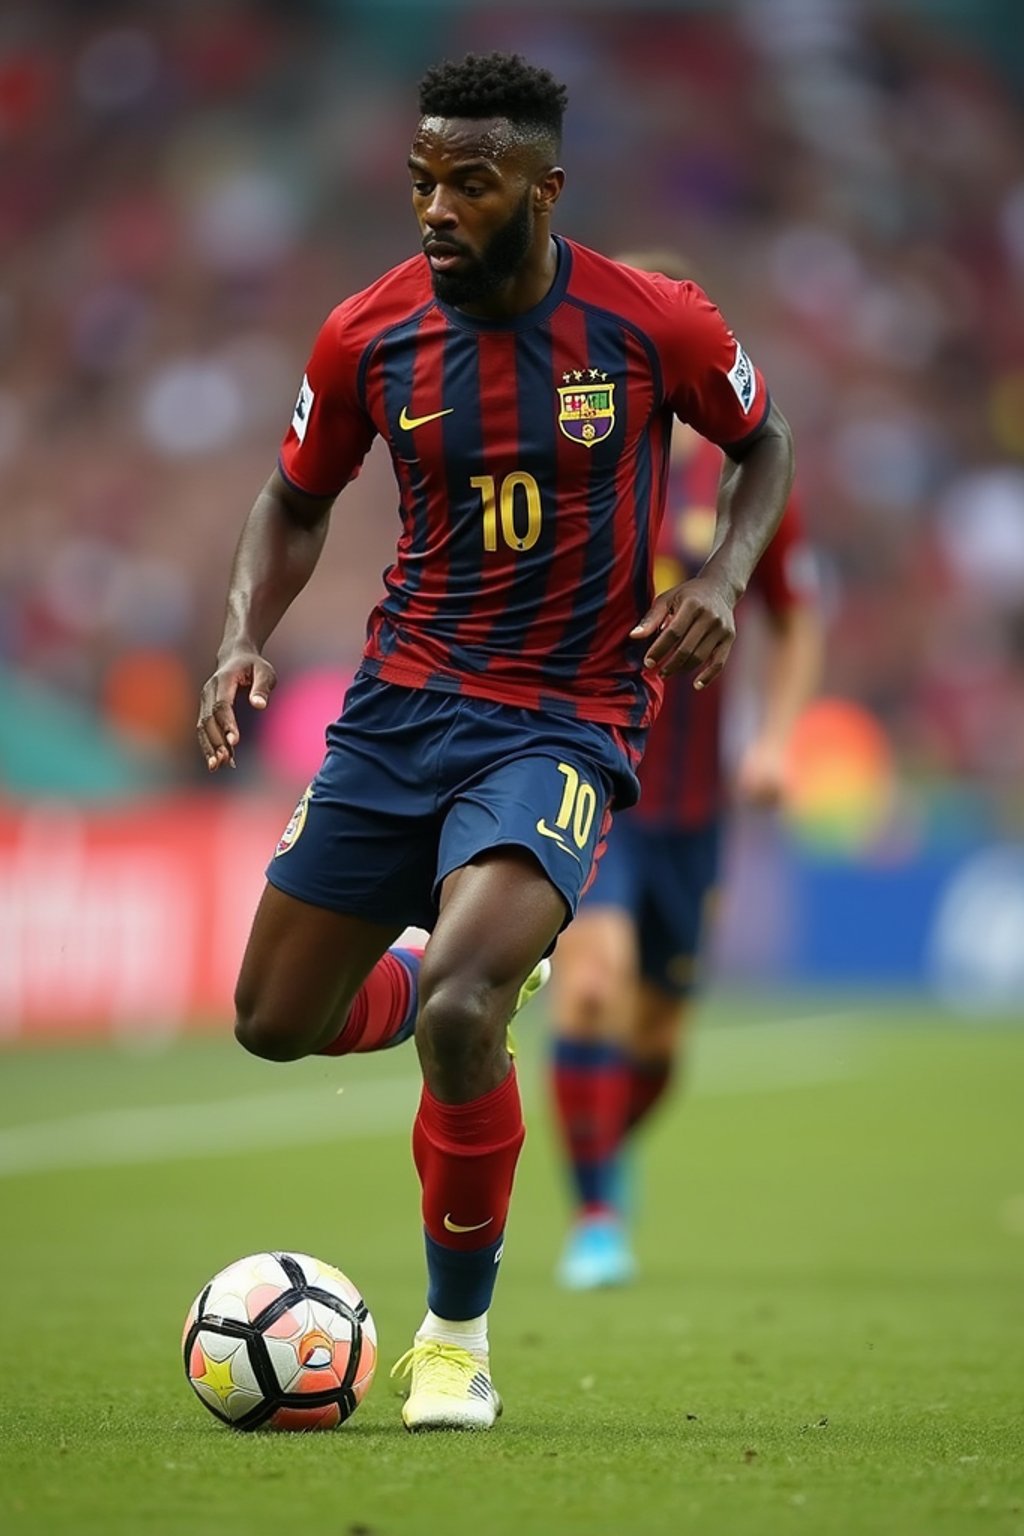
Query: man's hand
x=217 y=727
x=761 y=778
x=695 y=629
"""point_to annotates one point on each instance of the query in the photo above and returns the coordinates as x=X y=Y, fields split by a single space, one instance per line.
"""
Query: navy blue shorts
x=416 y=783
x=664 y=879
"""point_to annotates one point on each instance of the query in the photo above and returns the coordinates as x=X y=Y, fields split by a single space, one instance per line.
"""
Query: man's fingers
x=216 y=730
x=215 y=753
x=222 y=725
x=701 y=647
x=693 y=632
x=264 y=680
x=715 y=666
x=206 y=747
x=652 y=620
x=675 y=634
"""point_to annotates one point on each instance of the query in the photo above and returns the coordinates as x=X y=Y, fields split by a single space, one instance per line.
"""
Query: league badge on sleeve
x=741 y=377
x=303 y=406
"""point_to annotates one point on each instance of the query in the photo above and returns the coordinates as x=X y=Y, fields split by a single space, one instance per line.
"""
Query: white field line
x=733 y=1061
x=167 y=1132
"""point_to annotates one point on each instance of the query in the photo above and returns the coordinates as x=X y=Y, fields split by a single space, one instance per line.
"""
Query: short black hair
x=496 y=85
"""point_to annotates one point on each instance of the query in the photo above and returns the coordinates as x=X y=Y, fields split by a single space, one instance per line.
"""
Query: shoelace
x=430 y=1354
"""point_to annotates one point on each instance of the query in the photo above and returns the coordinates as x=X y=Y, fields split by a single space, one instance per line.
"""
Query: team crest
x=586 y=406
x=293 y=831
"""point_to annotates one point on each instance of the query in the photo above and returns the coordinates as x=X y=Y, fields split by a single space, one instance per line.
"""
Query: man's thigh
x=303 y=965
x=552 y=806
x=499 y=914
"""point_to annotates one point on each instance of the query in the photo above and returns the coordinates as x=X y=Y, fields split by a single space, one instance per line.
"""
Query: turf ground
x=828 y=1335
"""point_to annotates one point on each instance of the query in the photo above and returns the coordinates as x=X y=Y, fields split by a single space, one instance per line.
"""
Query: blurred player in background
x=524 y=386
x=627 y=967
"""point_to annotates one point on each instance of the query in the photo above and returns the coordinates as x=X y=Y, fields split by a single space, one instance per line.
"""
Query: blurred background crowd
x=188 y=186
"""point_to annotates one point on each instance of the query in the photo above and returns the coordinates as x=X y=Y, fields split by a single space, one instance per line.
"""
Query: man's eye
x=473 y=189
x=422 y=188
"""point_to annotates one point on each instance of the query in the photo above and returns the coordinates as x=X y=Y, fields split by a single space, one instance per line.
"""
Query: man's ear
x=548 y=190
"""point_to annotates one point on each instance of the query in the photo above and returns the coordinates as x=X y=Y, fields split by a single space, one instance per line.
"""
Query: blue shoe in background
x=597 y=1253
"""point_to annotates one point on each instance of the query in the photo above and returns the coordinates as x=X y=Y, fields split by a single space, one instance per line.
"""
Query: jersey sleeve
x=786 y=575
x=330 y=432
x=709 y=379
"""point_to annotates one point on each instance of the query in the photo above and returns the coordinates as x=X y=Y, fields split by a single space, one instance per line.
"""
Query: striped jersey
x=681 y=774
x=532 y=462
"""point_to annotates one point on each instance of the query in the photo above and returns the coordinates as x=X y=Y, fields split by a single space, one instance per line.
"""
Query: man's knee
x=590 y=993
x=271 y=1033
x=661 y=1028
x=459 y=1022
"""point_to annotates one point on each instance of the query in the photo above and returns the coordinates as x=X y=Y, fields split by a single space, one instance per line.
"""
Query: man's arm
x=693 y=623
x=277 y=553
x=752 y=496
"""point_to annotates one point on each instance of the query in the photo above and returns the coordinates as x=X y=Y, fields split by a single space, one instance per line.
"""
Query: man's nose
x=438 y=213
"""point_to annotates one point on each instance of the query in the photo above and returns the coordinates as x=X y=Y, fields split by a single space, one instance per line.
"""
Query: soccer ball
x=280 y=1341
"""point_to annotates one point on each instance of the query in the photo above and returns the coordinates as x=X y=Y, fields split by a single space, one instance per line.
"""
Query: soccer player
x=525 y=388
x=627 y=967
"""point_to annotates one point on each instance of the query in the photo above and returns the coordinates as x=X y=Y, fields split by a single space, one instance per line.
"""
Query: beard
x=501 y=259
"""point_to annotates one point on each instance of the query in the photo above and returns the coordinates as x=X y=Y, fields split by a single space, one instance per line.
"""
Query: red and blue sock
x=592 y=1095
x=384 y=1011
x=466 y=1157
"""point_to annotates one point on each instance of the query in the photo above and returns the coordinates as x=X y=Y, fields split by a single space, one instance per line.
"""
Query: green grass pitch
x=826 y=1336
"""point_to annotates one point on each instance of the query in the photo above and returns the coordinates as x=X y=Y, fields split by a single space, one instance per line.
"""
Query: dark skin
x=468 y=179
x=694 y=624
x=474 y=184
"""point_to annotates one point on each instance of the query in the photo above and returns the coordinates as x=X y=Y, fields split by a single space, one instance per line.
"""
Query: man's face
x=474 y=201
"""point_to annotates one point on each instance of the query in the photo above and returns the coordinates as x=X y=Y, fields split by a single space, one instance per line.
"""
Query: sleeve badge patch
x=303 y=406
x=741 y=377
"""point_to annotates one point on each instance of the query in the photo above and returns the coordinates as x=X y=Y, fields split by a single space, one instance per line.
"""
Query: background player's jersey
x=681 y=774
x=531 y=460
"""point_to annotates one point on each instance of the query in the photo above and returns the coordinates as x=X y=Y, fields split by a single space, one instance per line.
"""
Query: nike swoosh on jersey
x=453 y=1226
x=410 y=423
x=545 y=831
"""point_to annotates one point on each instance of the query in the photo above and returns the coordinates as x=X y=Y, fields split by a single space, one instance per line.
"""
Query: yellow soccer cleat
x=537 y=978
x=450 y=1388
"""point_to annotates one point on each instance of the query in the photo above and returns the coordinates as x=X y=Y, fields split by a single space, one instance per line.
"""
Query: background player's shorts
x=417 y=783
x=665 y=879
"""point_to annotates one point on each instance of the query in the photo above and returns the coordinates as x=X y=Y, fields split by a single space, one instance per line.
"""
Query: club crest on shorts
x=293 y=831
x=586 y=406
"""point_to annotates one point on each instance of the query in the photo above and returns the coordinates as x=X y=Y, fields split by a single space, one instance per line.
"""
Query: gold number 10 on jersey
x=579 y=802
x=500 y=504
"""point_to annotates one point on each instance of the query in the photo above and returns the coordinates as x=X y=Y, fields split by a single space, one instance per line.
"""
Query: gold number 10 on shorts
x=502 y=505
x=579 y=802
